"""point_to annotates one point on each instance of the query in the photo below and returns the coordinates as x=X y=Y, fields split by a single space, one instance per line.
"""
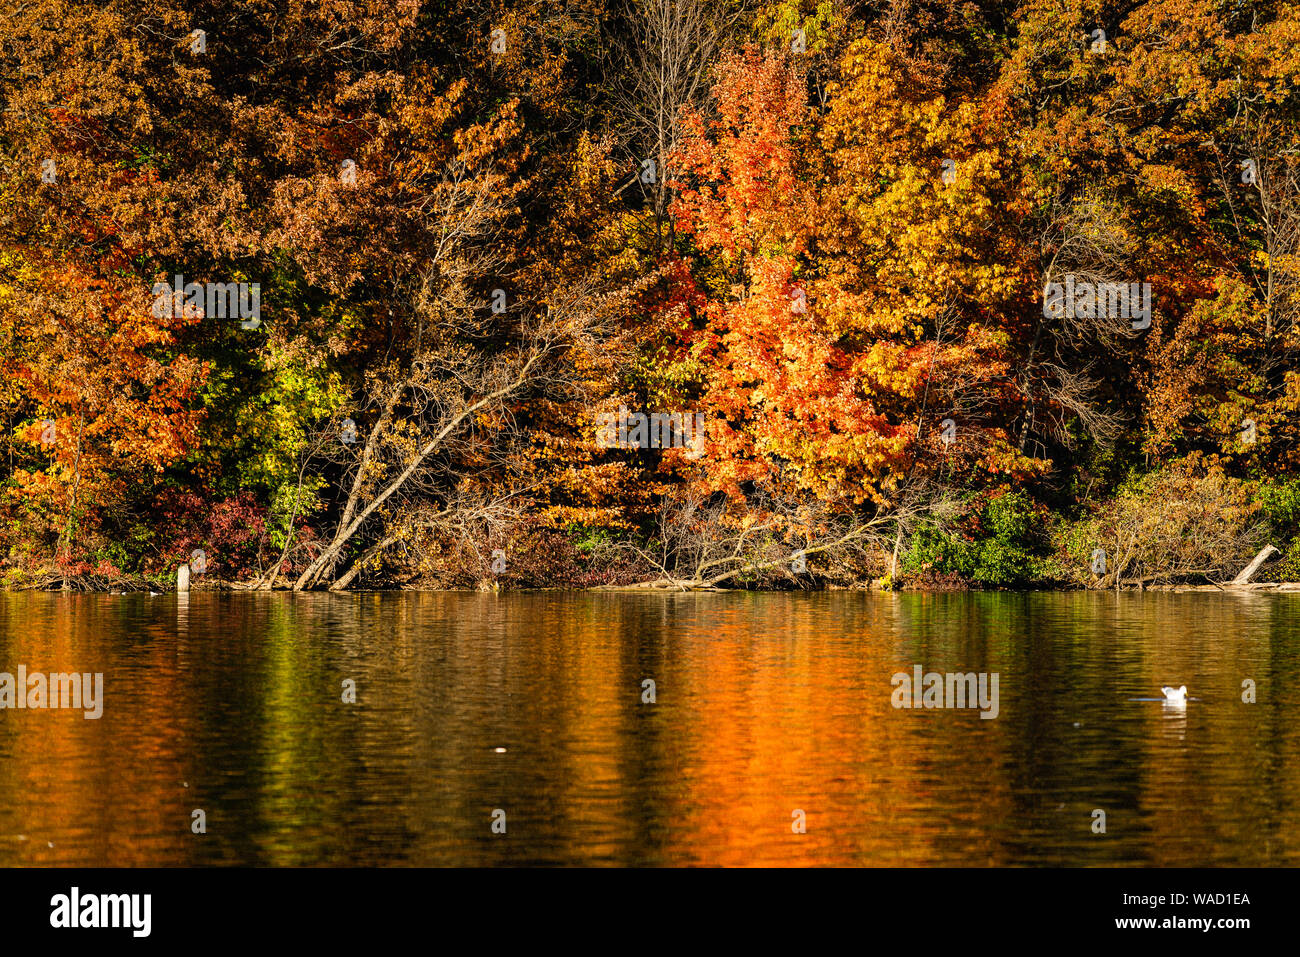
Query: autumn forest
x=649 y=293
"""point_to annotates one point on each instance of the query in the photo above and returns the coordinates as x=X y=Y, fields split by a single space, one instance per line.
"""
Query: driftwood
x=1245 y=574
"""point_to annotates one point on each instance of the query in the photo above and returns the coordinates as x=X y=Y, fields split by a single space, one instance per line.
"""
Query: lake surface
x=765 y=704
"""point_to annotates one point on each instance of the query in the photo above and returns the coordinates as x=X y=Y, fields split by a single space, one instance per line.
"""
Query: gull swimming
x=1175 y=695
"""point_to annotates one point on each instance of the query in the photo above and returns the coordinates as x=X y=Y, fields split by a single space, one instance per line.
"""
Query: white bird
x=1175 y=695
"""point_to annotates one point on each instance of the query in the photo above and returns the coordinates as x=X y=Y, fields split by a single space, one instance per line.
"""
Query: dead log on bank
x=1245 y=574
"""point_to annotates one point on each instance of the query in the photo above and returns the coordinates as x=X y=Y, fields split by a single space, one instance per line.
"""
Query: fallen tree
x=1247 y=573
x=774 y=535
x=446 y=416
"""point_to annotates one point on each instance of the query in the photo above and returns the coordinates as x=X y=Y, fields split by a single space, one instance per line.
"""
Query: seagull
x=1175 y=695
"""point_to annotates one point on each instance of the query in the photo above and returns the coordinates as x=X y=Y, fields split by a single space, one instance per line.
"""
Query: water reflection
x=765 y=704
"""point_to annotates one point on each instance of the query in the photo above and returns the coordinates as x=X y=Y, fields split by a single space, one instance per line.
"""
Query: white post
x=183 y=578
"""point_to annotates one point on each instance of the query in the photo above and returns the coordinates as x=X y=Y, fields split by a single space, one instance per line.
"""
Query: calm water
x=765 y=704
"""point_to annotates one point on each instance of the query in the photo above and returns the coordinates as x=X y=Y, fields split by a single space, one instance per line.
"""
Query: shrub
x=997 y=543
x=1279 y=506
x=1184 y=522
x=232 y=533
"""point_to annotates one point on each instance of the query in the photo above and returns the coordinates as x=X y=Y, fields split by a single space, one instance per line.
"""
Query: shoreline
x=217 y=586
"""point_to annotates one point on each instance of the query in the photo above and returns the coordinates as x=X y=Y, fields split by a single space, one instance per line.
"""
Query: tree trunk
x=354 y=516
x=1265 y=553
x=346 y=579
